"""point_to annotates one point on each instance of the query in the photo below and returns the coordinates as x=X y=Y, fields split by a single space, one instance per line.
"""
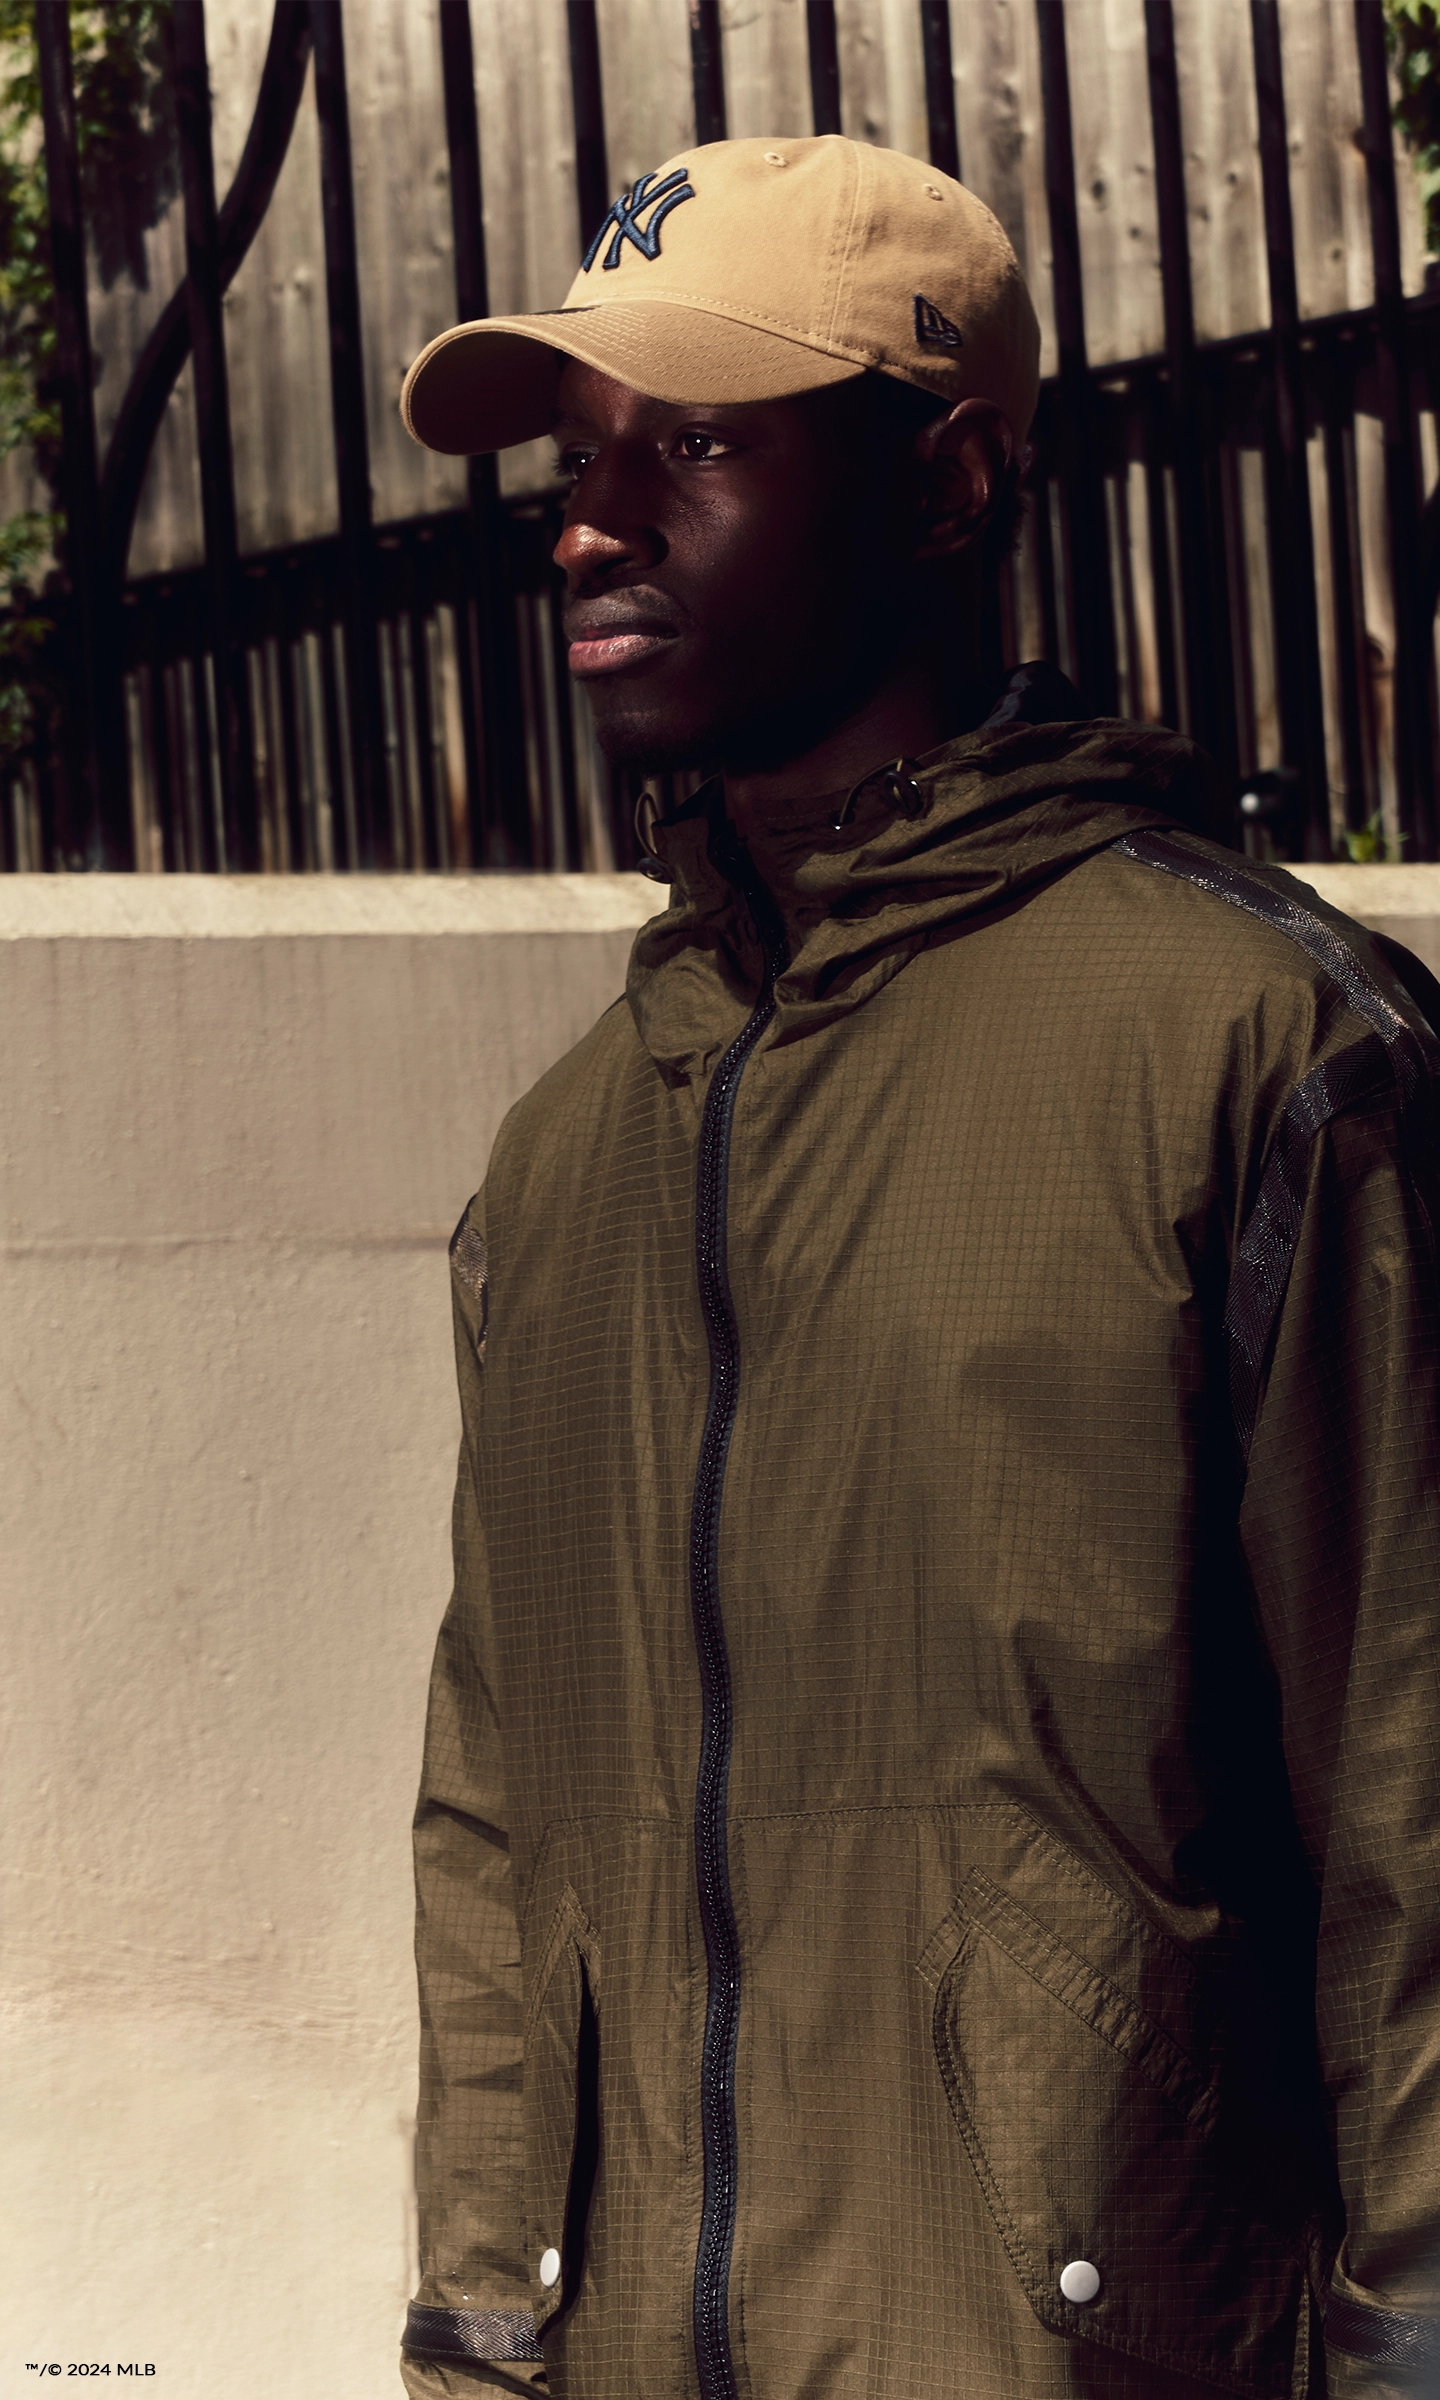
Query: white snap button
x=1079 y=2281
x=550 y=2270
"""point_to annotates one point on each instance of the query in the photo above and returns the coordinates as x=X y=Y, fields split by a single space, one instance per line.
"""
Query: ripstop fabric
x=1082 y=1785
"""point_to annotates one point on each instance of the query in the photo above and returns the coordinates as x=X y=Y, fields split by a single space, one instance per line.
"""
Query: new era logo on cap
x=933 y=326
x=626 y=212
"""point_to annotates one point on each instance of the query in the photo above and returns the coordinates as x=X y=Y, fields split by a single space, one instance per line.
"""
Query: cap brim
x=483 y=386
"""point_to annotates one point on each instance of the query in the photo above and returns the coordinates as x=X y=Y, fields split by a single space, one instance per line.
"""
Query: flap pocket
x=561 y=2105
x=1098 y=2141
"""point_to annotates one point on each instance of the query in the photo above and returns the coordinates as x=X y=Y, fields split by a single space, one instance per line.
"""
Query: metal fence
x=396 y=696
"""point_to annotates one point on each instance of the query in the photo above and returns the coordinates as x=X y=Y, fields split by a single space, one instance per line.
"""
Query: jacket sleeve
x=470 y=2328
x=1340 y=1524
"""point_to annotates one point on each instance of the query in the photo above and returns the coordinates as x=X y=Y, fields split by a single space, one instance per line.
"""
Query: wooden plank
x=767 y=69
x=1114 y=178
x=1218 y=116
x=649 y=99
x=996 y=57
x=882 y=74
x=1324 y=108
x=528 y=175
x=275 y=332
x=403 y=236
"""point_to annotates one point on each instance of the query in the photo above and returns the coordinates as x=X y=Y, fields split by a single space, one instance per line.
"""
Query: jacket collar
x=848 y=889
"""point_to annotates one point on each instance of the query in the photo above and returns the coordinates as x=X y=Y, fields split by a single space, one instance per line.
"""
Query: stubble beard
x=761 y=739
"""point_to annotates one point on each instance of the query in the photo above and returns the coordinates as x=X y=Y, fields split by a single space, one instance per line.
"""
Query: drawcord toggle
x=898 y=788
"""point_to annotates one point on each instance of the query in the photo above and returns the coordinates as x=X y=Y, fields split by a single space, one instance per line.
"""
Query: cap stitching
x=731 y=315
x=837 y=296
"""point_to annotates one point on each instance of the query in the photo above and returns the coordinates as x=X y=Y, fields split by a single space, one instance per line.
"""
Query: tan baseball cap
x=750 y=270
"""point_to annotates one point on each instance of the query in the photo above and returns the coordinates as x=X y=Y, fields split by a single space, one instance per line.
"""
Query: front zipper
x=712 y=1859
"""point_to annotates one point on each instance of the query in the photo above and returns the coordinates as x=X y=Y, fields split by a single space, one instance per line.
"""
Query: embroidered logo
x=933 y=326
x=627 y=211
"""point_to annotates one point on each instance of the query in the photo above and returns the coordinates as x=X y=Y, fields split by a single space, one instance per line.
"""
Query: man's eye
x=698 y=447
x=571 y=464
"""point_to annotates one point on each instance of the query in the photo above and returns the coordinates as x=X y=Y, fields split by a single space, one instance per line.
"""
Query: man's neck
x=922 y=705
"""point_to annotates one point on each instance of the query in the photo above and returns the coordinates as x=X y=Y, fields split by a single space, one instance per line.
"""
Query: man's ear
x=964 y=458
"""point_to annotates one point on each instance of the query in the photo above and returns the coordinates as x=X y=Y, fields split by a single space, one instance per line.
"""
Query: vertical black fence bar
x=1155 y=447
x=707 y=70
x=939 y=86
x=824 y=54
x=494 y=771
x=212 y=412
x=1349 y=615
x=1293 y=607
x=592 y=173
x=352 y=448
x=1414 y=756
x=1204 y=624
x=94 y=828
x=1076 y=416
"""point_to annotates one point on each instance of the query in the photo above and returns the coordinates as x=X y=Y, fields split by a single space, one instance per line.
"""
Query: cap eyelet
x=775 y=158
x=932 y=191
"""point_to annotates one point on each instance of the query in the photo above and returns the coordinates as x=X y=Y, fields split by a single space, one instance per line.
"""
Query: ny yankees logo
x=626 y=213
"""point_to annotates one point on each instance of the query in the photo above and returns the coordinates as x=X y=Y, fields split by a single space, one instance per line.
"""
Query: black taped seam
x=711 y=2305
x=474 y=2333
x=1319 y=940
x=1383 y=2336
x=1266 y=1250
x=1392 y=1059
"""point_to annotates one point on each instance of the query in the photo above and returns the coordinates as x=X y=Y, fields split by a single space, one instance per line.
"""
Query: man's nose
x=604 y=533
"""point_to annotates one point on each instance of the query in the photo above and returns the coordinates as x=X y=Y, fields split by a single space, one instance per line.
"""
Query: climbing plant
x=125 y=135
x=1414 y=37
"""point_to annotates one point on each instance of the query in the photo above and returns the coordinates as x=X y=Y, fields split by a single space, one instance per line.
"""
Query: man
x=927 y=1857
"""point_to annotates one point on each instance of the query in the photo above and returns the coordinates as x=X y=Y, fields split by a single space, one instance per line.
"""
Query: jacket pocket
x=1101 y=2140
x=561 y=2098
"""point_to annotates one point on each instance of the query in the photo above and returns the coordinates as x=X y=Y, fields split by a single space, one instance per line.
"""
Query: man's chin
x=647 y=742
x=641 y=745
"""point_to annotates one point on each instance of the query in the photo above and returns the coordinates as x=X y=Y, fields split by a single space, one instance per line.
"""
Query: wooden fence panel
x=275 y=322
x=414 y=757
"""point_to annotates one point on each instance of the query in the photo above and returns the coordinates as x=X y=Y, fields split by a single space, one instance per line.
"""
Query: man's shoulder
x=1230 y=932
x=574 y=1096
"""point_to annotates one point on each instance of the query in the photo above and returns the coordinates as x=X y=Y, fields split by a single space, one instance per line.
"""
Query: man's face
x=736 y=578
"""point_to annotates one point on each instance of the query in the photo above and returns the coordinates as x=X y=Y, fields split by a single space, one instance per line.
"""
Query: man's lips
x=604 y=638
x=605 y=653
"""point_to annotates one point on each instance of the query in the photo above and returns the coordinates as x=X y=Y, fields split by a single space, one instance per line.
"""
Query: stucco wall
x=237 y=1122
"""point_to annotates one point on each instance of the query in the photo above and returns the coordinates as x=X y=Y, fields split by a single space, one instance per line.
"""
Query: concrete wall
x=237 y=1123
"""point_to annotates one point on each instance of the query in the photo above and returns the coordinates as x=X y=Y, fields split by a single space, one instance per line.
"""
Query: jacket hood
x=862 y=880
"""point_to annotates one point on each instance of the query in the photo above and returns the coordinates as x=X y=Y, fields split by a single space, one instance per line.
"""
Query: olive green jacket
x=934 y=1765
